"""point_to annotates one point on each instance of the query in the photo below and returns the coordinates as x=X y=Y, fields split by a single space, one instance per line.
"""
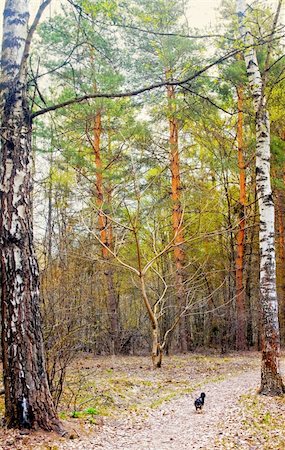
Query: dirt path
x=176 y=425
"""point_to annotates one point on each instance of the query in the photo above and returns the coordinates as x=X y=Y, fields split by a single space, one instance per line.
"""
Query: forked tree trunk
x=156 y=347
x=271 y=381
x=28 y=402
x=105 y=230
x=177 y=218
x=240 y=291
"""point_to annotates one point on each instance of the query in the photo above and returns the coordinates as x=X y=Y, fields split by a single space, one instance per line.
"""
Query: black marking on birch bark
x=265 y=159
x=17 y=21
x=268 y=199
x=264 y=239
x=8 y=12
x=263 y=134
x=11 y=42
x=10 y=239
x=260 y=155
x=259 y=171
x=8 y=65
x=261 y=179
x=24 y=15
x=9 y=103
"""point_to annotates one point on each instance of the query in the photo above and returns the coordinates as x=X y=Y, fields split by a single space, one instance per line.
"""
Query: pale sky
x=201 y=12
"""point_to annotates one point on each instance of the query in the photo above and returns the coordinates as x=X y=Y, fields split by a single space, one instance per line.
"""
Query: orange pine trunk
x=102 y=220
x=177 y=217
x=105 y=229
x=240 y=292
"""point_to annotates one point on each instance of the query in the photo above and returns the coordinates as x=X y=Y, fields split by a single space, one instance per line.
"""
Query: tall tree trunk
x=228 y=337
x=48 y=236
x=240 y=291
x=177 y=218
x=28 y=402
x=105 y=229
x=271 y=381
x=253 y=316
x=279 y=196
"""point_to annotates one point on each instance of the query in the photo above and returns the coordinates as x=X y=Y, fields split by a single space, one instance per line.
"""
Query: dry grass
x=262 y=425
x=123 y=385
x=102 y=389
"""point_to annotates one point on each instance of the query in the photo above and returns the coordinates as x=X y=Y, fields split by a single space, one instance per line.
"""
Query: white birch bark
x=271 y=381
x=28 y=401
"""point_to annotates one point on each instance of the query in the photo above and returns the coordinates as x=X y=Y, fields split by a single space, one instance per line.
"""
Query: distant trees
x=205 y=115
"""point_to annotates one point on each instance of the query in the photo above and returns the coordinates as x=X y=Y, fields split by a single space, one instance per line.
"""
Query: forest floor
x=121 y=403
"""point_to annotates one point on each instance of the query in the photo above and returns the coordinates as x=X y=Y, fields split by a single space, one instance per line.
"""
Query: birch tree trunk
x=271 y=381
x=28 y=402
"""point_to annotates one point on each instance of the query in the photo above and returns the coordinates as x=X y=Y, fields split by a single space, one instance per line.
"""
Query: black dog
x=199 y=402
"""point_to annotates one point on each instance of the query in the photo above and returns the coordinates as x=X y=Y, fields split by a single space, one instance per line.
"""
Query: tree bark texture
x=240 y=291
x=280 y=207
x=156 y=348
x=177 y=217
x=28 y=402
x=271 y=381
x=105 y=230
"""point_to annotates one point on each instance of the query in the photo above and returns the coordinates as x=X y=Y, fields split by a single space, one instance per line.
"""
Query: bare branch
x=208 y=100
x=127 y=266
x=134 y=92
x=35 y=23
x=269 y=49
x=146 y=88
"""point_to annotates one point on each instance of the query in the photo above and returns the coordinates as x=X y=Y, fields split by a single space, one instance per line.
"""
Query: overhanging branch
x=134 y=92
x=149 y=88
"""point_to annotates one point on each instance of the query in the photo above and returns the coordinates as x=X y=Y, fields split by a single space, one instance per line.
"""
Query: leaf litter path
x=176 y=425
